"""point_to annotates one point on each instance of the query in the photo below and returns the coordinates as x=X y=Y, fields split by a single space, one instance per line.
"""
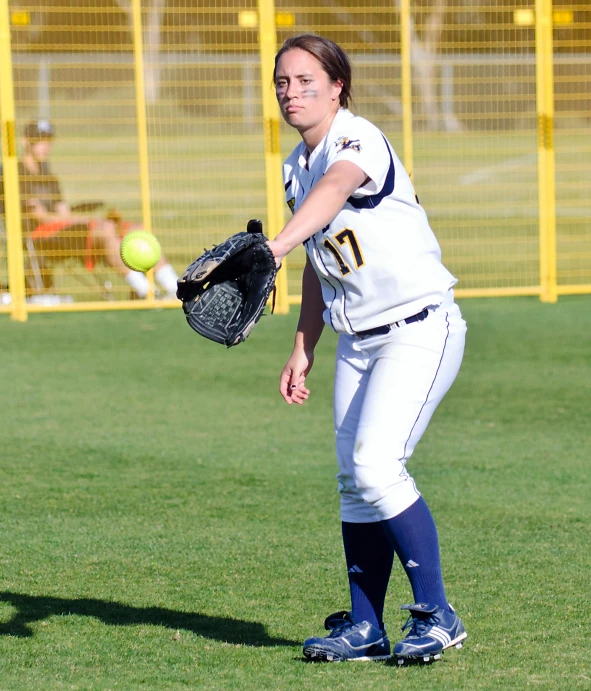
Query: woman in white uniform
x=374 y=274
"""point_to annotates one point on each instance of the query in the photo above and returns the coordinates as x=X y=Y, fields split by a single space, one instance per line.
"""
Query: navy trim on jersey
x=345 y=307
x=287 y=185
x=329 y=283
x=370 y=202
x=345 y=317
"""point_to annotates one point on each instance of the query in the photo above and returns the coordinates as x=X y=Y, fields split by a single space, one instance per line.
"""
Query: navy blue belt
x=380 y=330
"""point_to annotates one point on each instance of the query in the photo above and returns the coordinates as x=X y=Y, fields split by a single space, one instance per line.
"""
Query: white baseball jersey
x=378 y=261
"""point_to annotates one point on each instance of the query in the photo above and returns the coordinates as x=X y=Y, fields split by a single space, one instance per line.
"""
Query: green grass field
x=168 y=523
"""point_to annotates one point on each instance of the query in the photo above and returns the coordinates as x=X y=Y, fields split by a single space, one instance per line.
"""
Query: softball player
x=374 y=274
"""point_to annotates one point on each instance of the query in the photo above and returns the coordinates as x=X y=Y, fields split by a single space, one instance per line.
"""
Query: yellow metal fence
x=164 y=111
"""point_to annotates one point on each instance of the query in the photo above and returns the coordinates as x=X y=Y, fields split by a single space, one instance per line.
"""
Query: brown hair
x=332 y=57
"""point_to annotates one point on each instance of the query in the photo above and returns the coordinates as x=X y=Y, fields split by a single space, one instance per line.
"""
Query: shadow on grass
x=31 y=608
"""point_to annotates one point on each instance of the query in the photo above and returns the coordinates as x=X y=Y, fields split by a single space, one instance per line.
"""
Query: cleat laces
x=419 y=626
x=341 y=629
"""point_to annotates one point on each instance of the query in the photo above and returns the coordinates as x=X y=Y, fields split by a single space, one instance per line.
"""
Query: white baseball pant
x=386 y=390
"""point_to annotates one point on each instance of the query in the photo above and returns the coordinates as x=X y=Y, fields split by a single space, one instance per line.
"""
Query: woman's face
x=41 y=149
x=305 y=94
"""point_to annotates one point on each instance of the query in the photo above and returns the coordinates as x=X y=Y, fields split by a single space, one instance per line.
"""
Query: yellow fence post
x=12 y=204
x=546 y=158
x=405 y=62
x=273 y=176
x=142 y=126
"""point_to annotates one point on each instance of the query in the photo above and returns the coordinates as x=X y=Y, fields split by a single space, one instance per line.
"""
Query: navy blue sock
x=369 y=554
x=414 y=537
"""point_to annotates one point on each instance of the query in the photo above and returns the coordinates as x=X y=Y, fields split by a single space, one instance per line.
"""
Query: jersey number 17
x=345 y=236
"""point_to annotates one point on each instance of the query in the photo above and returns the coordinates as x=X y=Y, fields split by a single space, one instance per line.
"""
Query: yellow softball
x=140 y=251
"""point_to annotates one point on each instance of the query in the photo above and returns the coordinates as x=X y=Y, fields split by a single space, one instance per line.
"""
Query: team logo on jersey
x=291 y=204
x=346 y=143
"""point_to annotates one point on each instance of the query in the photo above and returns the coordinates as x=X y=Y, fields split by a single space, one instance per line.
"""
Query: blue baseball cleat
x=432 y=630
x=348 y=640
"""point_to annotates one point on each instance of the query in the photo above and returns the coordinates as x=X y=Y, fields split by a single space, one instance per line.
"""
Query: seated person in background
x=58 y=232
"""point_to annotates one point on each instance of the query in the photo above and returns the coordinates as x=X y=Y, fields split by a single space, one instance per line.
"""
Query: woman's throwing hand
x=293 y=377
